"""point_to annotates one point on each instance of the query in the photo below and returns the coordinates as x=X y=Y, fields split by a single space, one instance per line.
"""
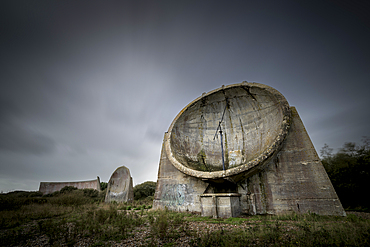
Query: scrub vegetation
x=144 y=190
x=349 y=172
x=72 y=217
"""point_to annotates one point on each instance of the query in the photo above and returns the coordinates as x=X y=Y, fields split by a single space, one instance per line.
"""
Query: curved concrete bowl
x=254 y=124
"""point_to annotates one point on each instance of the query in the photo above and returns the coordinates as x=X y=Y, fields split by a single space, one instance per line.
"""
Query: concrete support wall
x=176 y=190
x=294 y=180
x=50 y=187
x=120 y=186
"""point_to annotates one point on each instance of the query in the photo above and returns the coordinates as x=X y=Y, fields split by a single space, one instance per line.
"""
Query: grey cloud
x=16 y=139
x=8 y=110
x=86 y=89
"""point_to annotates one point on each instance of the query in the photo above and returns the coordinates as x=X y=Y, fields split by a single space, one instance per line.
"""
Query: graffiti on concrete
x=175 y=194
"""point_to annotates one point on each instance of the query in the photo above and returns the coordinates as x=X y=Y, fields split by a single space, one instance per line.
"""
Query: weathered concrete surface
x=294 y=180
x=120 y=186
x=271 y=161
x=223 y=205
x=176 y=190
x=50 y=187
x=255 y=124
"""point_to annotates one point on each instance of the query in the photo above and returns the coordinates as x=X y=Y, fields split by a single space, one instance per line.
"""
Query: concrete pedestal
x=221 y=205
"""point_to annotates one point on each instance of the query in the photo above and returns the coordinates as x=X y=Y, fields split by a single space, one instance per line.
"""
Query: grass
x=64 y=219
x=350 y=231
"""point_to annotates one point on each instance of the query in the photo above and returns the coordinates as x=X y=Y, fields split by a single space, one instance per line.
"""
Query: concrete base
x=293 y=180
x=221 y=205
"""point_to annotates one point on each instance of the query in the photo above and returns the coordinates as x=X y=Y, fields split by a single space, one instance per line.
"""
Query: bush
x=76 y=198
x=14 y=200
x=349 y=172
x=159 y=224
x=103 y=185
x=91 y=193
x=67 y=189
x=24 y=194
x=144 y=190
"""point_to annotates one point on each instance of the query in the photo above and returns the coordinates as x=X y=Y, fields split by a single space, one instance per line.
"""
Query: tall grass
x=74 y=215
x=300 y=233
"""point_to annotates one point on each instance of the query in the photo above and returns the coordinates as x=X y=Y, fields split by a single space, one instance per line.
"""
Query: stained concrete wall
x=176 y=190
x=294 y=180
x=120 y=186
x=290 y=178
x=50 y=187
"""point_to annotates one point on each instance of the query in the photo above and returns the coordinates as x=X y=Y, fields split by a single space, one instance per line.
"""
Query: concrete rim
x=247 y=166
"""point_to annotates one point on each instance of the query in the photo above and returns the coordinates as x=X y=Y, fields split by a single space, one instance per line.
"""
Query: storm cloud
x=88 y=86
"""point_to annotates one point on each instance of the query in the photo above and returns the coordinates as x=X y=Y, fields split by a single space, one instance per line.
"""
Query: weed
x=159 y=224
x=64 y=219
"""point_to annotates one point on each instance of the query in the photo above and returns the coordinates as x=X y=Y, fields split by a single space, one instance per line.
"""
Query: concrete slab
x=120 y=186
x=50 y=187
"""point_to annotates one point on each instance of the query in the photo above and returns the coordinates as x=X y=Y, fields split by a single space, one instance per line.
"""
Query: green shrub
x=349 y=172
x=109 y=224
x=101 y=196
x=103 y=185
x=24 y=194
x=72 y=198
x=144 y=190
x=15 y=200
x=91 y=193
x=67 y=189
x=159 y=224
x=54 y=194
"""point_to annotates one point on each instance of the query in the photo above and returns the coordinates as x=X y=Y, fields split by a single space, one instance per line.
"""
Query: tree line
x=349 y=172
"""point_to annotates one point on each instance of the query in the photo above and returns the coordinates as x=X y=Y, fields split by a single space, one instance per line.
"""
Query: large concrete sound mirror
x=120 y=186
x=242 y=149
x=50 y=187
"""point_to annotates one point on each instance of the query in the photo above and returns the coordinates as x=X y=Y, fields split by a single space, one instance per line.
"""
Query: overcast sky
x=88 y=86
